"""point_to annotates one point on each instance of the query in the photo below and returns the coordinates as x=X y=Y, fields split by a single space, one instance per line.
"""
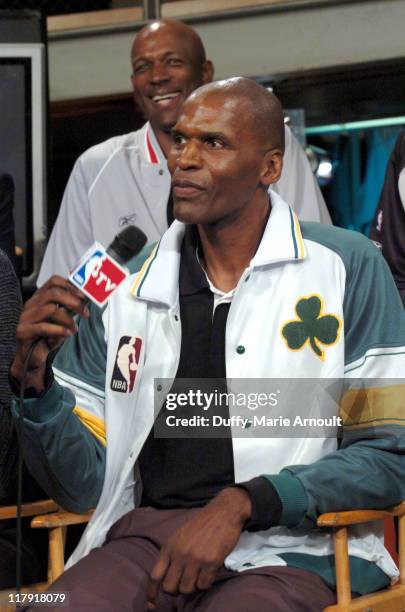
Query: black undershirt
x=188 y=471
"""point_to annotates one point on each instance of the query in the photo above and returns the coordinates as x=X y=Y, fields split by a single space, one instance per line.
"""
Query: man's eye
x=174 y=61
x=214 y=143
x=140 y=68
x=178 y=139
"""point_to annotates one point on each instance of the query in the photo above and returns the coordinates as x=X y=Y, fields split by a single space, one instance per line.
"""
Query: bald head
x=261 y=109
x=227 y=150
x=172 y=28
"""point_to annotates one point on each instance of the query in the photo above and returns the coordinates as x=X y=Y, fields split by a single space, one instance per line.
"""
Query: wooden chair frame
x=57 y=523
x=391 y=599
x=48 y=515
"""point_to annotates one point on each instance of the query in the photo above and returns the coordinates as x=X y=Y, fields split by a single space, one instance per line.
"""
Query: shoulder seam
x=326 y=247
x=107 y=161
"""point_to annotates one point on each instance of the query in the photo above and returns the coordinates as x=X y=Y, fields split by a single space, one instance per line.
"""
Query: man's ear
x=207 y=72
x=272 y=167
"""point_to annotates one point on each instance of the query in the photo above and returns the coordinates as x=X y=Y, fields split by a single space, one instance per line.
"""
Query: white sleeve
x=297 y=184
x=72 y=234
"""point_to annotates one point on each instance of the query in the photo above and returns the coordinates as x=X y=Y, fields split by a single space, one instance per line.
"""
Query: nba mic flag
x=97 y=274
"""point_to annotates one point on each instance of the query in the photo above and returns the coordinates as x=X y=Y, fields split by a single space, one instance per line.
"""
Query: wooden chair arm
x=392 y=598
x=353 y=517
x=38 y=507
x=60 y=519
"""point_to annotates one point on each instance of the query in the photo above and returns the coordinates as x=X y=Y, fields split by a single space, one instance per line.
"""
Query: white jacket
x=289 y=266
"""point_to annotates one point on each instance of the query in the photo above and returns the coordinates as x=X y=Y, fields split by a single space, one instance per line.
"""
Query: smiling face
x=220 y=166
x=168 y=64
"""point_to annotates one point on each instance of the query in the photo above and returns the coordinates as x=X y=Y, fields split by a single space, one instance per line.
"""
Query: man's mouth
x=186 y=189
x=165 y=99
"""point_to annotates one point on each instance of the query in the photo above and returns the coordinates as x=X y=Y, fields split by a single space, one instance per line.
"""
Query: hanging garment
x=388 y=227
x=379 y=145
x=361 y=158
x=345 y=189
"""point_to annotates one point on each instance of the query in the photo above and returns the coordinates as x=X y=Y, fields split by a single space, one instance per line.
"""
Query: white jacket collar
x=282 y=238
x=150 y=146
x=158 y=278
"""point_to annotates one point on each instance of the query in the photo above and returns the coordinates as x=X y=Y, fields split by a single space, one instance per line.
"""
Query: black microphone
x=128 y=243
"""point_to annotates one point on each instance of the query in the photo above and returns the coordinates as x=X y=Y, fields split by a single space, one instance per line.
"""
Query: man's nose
x=159 y=72
x=190 y=156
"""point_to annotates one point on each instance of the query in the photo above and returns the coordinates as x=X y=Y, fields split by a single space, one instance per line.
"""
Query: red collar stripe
x=152 y=155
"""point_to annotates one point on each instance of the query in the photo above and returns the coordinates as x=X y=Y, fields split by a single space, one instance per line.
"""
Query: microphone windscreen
x=127 y=244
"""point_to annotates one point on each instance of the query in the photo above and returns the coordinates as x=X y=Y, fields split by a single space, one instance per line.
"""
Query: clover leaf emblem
x=312 y=327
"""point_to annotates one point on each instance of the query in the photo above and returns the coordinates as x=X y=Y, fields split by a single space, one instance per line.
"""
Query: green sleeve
x=63 y=454
x=367 y=470
x=64 y=435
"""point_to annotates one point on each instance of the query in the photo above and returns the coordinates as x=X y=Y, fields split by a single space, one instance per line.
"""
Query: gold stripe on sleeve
x=94 y=424
x=373 y=407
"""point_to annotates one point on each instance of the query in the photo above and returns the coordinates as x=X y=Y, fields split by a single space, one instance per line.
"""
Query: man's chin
x=186 y=213
x=187 y=219
x=190 y=214
x=165 y=121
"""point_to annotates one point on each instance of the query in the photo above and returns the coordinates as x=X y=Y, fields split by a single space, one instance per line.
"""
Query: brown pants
x=113 y=578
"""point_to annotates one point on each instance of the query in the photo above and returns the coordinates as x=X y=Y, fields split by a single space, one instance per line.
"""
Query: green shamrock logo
x=311 y=327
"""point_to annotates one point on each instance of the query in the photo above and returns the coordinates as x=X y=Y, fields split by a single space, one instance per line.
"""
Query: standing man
x=125 y=179
x=260 y=295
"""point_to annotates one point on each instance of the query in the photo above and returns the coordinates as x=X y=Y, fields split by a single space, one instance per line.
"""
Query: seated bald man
x=125 y=179
x=237 y=288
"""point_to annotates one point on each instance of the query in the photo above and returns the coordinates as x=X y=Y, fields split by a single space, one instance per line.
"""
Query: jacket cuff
x=43 y=409
x=266 y=504
x=293 y=497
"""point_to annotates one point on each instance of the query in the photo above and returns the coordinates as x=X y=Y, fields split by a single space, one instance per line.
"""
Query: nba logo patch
x=97 y=274
x=126 y=364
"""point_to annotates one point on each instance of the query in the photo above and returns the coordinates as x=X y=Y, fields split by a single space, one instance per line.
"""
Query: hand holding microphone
x=47 y=318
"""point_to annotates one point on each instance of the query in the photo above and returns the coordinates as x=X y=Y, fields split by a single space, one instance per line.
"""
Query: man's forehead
x=218 y=112
x=160 y=41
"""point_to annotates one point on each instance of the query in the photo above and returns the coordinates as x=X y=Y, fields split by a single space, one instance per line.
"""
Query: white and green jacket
x=83 y=437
